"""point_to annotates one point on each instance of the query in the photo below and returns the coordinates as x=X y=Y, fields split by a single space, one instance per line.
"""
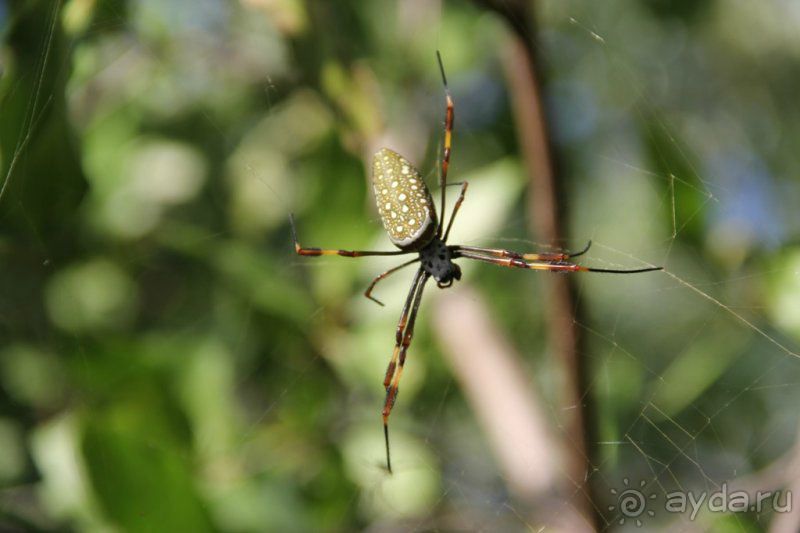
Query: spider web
x=641 y=334
x=680 y=456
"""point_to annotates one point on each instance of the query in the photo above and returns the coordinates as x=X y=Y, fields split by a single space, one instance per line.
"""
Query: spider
x=409 y=217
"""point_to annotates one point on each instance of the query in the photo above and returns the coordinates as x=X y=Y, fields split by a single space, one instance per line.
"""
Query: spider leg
x=368 y=292
x=346 y=253
x=585 y=249
x=456 y=207
x=405 y=332
x=449 y=118
x=401 y=326
x=514 y=262
x=541 y=256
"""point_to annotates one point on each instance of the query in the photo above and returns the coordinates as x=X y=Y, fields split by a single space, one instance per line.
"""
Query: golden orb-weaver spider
x=409 y=217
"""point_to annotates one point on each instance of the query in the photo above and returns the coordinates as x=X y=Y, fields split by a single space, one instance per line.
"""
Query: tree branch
x=547 y=216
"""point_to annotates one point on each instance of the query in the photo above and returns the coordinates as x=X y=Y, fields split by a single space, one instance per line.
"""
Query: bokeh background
x=167 y=363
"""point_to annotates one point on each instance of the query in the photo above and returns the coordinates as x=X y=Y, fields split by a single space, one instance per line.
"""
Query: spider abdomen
x=404 y=202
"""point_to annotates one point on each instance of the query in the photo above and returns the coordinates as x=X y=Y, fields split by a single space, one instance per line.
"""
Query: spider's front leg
x=517 y=262
x=509 y=254
x=559 y=266
x=404 y=334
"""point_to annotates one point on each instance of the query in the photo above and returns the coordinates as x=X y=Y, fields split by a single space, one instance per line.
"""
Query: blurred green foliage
x=169 y=364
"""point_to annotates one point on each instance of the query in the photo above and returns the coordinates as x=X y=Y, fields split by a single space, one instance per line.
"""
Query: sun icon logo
x=632 y=502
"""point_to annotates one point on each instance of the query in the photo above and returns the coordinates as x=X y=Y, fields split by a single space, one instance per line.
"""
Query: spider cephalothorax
x=409 y=217
x=437 y=260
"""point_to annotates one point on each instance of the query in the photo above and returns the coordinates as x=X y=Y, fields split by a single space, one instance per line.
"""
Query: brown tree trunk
x=547 y=223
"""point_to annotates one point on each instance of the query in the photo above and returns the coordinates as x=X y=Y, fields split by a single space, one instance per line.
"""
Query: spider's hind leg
x=300 y=250
x=464 y=185
x=379 y=277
